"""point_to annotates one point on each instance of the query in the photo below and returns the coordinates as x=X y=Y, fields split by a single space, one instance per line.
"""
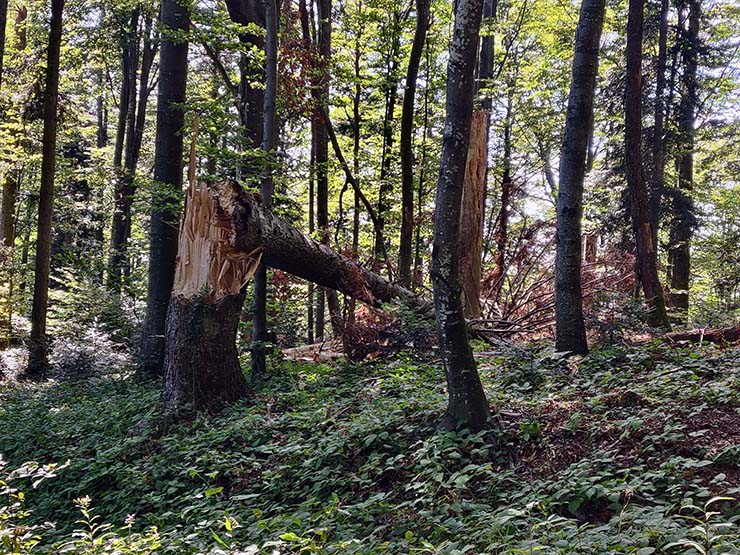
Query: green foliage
x=612 y=454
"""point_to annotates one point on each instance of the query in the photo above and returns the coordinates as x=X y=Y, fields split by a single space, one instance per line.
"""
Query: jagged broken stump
x=224 y=235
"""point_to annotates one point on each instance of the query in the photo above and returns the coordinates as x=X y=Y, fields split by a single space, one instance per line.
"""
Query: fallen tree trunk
x=255 y=228
x=224 y=234
x=716 y=335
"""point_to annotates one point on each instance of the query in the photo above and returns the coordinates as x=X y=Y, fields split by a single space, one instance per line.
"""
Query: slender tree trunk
x=3 y=24
x=501 y=234
x=38 y=346
x=467 y=401
x=406 y=143
x=123 y=192
x=570 y=327
x=260 y=335
x=386 y=185
x=647 y=265
x=7 y=241
x=658 y=176
x=418 y=261
x=322 y=168
x=168 y=153
x=681 y=226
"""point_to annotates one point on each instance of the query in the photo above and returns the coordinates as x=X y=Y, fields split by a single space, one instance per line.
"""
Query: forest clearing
x=369 y=276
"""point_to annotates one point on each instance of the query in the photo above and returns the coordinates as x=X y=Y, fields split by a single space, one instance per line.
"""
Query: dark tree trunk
x=646 y=264
x=251 y=95
x=467 y=401
x=322 y=167
x=123 y=192
x=3 y=23
x=501 y=233
x=658 y=174
x=38 y=346
x=135 y=121
x=168 y=153
x=102 y=115
x=570 y=327
x=406 y=144
x=681 y=226
x=418 y=260
x=260 y=335
x=201 y=369
x=7 y=228
x=386 y=184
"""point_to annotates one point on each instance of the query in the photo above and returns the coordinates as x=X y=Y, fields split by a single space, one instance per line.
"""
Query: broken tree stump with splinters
x=224 y=234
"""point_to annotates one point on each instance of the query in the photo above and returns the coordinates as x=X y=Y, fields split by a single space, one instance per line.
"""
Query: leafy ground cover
x=628 y=450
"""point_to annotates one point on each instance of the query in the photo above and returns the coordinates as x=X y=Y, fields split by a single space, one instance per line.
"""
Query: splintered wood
x=208 y=265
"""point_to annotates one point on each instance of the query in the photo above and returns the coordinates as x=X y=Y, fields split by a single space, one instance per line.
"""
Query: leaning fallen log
x=224 y=234
x=714 y=335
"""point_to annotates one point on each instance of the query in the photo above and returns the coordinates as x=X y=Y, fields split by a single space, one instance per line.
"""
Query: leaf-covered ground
x=618 y=452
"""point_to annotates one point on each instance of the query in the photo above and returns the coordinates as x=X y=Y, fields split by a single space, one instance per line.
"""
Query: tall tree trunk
x=681 y=226
x=406 y=143
x=260 y=335
x=3 y=24
x=418 y=261
x=386 y=185
x=168 y=152
x=467 y=404
x=7 y=241
x=474 y=187
x=658 y=174
x=123 y=193
x=646 y=263
x=570 y=327
x=322 y=167
x=501 y=233
x=38 y=346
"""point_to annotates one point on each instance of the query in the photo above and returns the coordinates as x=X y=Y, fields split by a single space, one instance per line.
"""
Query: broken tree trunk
x=471 y=214
x=201 y=364
x=225 y=233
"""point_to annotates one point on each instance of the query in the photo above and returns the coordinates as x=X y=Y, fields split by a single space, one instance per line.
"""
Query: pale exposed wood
x=471 y=214
x=208 y=265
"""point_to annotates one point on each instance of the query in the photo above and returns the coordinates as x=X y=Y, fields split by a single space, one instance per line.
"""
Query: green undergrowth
x=628 y=450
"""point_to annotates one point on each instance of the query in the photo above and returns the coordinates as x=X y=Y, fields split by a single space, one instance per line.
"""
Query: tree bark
x=38 y=346
x=386 y=184
x=659 y=143
x=501 y=233
x=646 y=264
x=168 y=153
x=682 y=224
x=201 y=364
x=570 y=327
x=406 y=144
x=3 y=24
x=260 y=335
x=467 y=405
x=125 y=186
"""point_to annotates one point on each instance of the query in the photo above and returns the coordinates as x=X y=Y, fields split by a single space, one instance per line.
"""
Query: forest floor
x=621 y=451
